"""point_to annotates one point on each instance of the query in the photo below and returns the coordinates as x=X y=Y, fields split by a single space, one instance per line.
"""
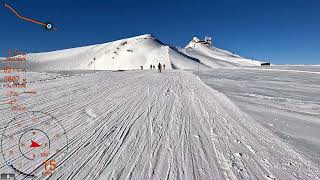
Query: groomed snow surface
x=284 y=99
x=147 y=125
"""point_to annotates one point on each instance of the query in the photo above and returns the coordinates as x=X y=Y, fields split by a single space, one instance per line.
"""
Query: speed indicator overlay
x=33 y=143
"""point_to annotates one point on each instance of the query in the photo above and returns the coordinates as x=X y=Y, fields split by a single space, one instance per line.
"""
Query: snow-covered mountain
x=215 y=57
x=222 y=123
x=125 y=54
x=132 y=53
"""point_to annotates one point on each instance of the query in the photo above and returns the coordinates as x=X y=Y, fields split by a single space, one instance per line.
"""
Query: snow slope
x=147 y=125
x=215 y=57
x=131 y=53
x=284 y=99
x=125 y=54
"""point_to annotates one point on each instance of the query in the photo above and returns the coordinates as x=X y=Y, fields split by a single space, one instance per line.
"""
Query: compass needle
x=34 y=144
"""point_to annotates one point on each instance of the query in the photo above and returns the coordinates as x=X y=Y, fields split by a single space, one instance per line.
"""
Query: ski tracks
x=148 y=125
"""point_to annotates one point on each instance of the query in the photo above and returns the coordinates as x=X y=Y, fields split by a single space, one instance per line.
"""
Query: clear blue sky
x=282 y=31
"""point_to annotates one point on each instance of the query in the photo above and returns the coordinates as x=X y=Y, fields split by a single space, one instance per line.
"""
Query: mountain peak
x=207 y=41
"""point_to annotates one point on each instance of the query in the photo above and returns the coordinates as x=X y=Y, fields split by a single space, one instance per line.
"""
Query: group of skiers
x=160 y=67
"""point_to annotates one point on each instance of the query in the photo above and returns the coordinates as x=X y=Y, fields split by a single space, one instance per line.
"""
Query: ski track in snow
x=146 y=125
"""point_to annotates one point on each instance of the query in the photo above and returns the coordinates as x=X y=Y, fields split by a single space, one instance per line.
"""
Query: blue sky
x=283 y=32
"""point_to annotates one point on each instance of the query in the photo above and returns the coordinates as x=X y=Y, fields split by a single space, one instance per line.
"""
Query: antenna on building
x=208 y=40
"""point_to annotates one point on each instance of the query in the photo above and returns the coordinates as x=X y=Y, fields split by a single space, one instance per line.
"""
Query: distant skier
x=159 y=67
x=141 y=67
x=164 y=66
x=151 y=66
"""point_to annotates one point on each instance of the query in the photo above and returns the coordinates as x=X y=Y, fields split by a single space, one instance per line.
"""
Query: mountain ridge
x=133 y=53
